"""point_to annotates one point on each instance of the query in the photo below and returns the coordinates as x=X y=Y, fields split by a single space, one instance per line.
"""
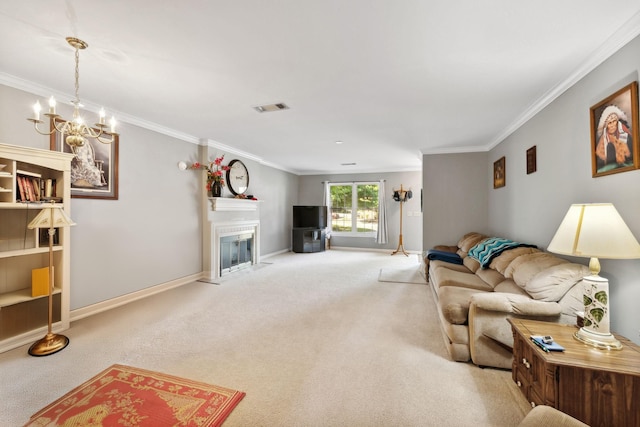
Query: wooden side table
x=598 y=387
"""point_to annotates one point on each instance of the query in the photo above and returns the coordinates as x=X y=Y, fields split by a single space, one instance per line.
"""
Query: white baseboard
x=353 y=248
x=92 y=309
x=262 y=257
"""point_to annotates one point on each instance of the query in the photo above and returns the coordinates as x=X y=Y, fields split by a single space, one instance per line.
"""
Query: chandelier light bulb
x=36 y=110
x=102 y=114
x=112 y=122
x=52 y=105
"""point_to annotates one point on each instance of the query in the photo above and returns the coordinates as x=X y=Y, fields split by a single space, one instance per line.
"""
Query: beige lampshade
x=594 y=230
x=51 y=217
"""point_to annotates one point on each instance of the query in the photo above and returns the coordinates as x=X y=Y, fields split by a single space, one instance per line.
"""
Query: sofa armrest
x=519 y=305
x=490 y=335
x=446 y=248
x=543 y=415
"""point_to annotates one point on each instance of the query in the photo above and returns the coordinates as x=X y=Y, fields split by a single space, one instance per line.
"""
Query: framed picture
x=614 y=133
x=94 y=170
x=499 y=173
x=531 y=160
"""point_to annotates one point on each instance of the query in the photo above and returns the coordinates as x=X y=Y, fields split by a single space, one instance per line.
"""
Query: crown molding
x=46 y=92
x=229 y=149
x=627 y=32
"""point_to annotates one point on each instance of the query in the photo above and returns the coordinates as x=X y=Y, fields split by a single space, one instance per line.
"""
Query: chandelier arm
x=105 y=141
x=35 y=125
x=86 y=130
x=61 y=127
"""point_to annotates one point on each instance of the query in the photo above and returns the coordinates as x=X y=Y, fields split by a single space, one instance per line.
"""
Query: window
x=354 y=208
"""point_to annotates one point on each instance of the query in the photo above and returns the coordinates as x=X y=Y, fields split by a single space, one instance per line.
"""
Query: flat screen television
x=309 y=217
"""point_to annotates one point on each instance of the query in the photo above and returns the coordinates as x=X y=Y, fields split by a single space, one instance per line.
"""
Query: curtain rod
x=351 y=182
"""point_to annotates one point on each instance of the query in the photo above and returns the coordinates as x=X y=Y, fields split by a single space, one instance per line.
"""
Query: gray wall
x=530 y=207
x=311 y=191
x=455 y=196
x=153 y=233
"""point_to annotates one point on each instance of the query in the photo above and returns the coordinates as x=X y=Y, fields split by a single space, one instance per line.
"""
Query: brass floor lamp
x=401 y=196
x=50 y=217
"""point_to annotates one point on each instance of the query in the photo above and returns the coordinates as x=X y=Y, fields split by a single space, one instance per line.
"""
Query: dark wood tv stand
x=308 y=239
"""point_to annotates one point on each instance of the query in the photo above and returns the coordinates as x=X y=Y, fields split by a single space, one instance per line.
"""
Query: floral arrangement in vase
x=215 y=174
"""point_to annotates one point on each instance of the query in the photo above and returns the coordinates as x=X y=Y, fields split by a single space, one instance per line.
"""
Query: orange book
x=40 y=281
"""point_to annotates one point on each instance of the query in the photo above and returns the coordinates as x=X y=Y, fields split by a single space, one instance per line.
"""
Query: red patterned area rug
x=126 y=396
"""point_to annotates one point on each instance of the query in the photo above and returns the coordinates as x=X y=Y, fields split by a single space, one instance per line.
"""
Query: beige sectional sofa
x=475 y=296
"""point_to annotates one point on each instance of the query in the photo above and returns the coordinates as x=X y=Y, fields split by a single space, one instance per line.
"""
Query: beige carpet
x=313 y=339
x=411 y=274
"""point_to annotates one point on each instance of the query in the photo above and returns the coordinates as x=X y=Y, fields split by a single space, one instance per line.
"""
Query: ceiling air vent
x=271 y=107
x=347 y=164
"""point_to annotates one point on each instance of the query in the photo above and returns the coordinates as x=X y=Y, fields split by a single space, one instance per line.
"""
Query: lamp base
x=601 y=341
x=51 y=343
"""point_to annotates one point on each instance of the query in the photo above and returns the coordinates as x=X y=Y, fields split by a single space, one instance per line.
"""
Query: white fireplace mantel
x=231 y=204
x=228 y=216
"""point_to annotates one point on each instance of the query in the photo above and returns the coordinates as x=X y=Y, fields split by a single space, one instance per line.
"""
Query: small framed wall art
x=614 y=133
x=499 y=173
x=531 y=160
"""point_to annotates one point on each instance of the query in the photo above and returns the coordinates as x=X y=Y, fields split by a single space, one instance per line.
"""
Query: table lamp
x=50 y=217
x=595 y=230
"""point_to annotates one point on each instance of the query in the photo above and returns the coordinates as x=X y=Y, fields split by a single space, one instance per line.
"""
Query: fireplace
x=232 y=240
x=236 y=252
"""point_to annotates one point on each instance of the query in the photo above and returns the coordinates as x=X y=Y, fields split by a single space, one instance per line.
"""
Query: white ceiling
x=392 y=79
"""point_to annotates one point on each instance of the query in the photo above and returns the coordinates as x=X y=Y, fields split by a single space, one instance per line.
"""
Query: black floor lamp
x=401 y=196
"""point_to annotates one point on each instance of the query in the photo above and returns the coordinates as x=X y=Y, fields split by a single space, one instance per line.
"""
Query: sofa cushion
x=449 y=277
x=502 y=261
x=471 y=264
x=437 y=264
x=508 y=286
x=489 y=276
x=454 y=304
x=468 y=241
x=523 y=268
x=552 y=283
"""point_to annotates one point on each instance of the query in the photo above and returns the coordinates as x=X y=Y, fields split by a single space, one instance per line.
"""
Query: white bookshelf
x=23 y=318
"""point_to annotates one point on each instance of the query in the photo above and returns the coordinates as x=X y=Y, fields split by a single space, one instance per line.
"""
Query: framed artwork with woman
x=614 y=133
x=94 y=169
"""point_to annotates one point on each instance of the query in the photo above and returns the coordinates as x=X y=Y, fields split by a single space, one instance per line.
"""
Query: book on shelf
x=36 y=188
x=48 y=188
x=33 y=188
x=40 y=281
x=21 y=189
x=27 y=192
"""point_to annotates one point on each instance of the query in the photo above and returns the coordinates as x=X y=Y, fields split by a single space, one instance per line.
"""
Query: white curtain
x=326 y=201
x=383 y=233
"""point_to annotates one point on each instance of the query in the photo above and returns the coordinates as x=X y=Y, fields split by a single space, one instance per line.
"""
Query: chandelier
x=76 y=130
